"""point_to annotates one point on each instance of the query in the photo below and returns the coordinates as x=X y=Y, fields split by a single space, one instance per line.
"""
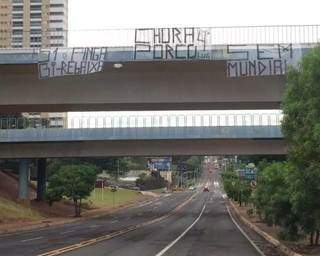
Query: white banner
x=172 y=43
x=260 y=60
x=71 y=61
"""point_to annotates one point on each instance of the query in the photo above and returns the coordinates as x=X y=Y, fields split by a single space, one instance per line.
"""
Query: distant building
x=50 y=120
x=35 y=24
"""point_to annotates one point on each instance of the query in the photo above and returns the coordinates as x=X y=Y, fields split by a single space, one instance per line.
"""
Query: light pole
x=118 y=169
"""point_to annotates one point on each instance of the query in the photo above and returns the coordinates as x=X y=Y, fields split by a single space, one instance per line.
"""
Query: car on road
x=206 y=188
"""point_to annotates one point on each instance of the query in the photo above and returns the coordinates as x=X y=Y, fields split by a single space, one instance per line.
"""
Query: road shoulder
x=269 y=238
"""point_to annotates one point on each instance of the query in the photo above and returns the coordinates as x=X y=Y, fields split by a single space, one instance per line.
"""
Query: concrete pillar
x=24 y=168
x=41 y=178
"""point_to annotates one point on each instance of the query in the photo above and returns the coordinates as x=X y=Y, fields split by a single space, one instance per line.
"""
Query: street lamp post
x=118 y=169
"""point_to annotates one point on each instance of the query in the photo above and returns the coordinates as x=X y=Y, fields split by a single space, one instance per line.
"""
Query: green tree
x=272 y=199
x=74 y=182
x=109 y=164
x=301 y=128
x=236 y=188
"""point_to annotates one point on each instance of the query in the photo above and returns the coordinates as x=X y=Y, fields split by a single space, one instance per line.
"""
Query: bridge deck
x=160 y=133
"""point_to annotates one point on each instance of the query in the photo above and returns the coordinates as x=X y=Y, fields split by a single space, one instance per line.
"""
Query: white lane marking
x=32 y=239
x=244 y=233
x=67 y=232
x=113 y=221
x=164 y=250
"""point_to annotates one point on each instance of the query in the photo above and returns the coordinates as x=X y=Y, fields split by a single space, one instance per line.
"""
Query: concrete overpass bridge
x=101 y=142
x=211 y=68
x=243 y=134
x=205 y=134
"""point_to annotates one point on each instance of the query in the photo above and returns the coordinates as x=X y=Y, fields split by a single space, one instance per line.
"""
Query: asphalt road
x=202 y=227
x=47 y=239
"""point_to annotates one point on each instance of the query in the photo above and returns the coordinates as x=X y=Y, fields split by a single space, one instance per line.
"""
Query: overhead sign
x=160 y=163
x=260 y=59
x=71 y=61
x=171 y=43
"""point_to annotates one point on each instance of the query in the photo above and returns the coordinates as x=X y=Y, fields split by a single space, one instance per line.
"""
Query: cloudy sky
x=99 y=14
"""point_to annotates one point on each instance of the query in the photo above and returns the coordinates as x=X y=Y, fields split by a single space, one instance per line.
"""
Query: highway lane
x=47 y=239
x=214 y=234
x=202 y=228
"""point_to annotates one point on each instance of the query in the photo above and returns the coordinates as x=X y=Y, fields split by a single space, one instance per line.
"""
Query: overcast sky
x=97 y=14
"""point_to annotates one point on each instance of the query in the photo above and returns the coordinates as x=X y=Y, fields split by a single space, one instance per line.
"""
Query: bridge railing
x=275 y=34
x=203 y=120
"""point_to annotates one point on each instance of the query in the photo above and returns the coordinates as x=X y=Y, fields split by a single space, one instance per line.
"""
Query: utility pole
x=118 y=169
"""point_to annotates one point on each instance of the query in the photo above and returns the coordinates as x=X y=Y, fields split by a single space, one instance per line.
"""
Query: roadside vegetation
x=11 y=211
x=74 y=182
x=150 y=182
x=288 y=192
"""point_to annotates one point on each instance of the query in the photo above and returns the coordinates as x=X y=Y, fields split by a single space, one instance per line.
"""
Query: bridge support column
x=41 y=178
x=24 y=169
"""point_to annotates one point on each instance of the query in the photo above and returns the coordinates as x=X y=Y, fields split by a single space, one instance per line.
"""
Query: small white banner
x=71 y=61
x=260 y=60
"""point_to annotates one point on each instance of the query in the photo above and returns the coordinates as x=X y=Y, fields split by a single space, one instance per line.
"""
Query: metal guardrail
x=143 y=121
x=281 y=34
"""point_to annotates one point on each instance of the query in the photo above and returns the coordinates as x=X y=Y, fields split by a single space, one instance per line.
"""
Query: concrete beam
x=145 y=85
x=146 y=133
x=144 y=148
x=41 y=178
x=24 y=169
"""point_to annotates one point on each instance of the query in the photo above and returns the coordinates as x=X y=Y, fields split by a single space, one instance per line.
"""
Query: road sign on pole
x=113 y=190
x=253 y=184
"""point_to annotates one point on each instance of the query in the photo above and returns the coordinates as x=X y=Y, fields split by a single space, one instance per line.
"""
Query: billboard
x=160 y=163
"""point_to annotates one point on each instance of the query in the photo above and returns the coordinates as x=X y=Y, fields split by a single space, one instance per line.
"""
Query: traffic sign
x=253 y=184
x=160 y=163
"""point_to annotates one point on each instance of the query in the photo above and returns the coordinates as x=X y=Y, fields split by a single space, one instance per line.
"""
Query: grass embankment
x=11 y=211
x=104 y=197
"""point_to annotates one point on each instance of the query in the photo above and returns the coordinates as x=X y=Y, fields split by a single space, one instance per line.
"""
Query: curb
x=266 y=236
x=244 y=233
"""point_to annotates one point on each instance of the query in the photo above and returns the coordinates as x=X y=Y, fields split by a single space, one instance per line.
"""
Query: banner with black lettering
x=71 y=61
x=261 y=59
x=172 y=43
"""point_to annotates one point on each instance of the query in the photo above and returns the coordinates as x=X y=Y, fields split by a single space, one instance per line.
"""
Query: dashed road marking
x=67 y=232
x=32 y=239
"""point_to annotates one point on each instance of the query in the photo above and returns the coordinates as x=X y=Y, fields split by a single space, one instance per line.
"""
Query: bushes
x=272 y=199
x=153 y=181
